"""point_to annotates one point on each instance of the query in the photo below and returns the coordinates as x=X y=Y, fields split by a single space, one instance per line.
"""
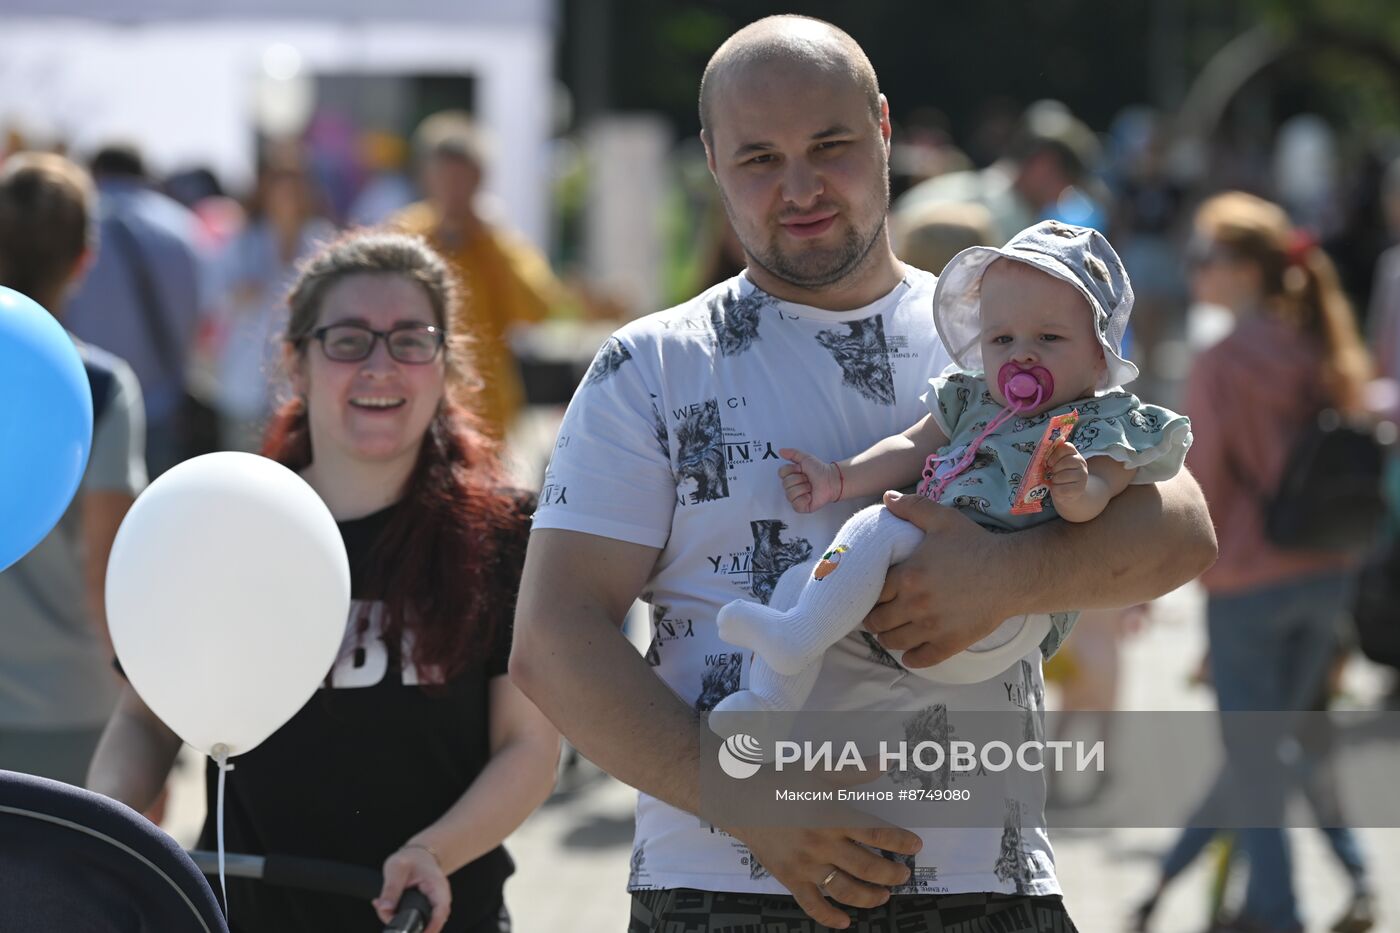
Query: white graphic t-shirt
x=672 y=440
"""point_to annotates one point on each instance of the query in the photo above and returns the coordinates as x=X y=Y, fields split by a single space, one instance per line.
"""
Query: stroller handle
x=310 y=874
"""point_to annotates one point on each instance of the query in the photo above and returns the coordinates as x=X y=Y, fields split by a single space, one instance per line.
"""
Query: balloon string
x=220 y=754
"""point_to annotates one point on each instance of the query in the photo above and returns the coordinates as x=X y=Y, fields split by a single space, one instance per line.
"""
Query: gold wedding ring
x=821 y=886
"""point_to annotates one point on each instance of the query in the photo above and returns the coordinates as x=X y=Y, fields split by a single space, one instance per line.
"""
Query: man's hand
x=810 y=483
x=944 y=597
x=800 y=858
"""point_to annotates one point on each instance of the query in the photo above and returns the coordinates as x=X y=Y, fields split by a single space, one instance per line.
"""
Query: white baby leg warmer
x=835 y=599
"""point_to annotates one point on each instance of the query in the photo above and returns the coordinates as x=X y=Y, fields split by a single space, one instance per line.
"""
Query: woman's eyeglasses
x=407 y=343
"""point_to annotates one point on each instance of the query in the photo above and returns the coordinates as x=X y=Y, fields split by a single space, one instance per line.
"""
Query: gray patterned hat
x=1077 y=255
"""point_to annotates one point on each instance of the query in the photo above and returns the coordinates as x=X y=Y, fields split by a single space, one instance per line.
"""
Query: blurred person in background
x=1272 y=614
x=388 y=188
x=381 y=428
x=932 y=235
x=1148 y=214
x=219 y=216
x=1377 y=609
x=924 y=150
x=11 y=140
x=253 y=273
x=1384 y=317
x=57 y=686
x=142 y=298
x=1306 y=173
x=510 y=282
x=1086 y=672
x=722 y=255
x=1044 y=175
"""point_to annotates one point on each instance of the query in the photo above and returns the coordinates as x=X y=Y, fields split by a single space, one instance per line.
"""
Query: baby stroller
x=72 y=861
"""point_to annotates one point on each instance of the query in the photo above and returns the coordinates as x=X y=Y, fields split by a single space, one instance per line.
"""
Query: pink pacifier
x=1024 y=389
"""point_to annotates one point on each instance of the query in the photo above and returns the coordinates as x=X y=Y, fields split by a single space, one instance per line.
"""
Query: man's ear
x=886 y=128
x=709 y=154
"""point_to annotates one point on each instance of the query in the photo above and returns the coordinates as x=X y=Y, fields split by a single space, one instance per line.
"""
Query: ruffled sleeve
x=950 y=396
x=1147 y=438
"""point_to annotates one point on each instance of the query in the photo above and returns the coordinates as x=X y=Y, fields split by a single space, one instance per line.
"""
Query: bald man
x=664 y=485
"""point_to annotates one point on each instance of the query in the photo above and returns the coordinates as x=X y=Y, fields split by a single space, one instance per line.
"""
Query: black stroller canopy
x=72 y=861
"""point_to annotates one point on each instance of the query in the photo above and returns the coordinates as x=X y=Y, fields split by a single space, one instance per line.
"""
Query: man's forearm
x=1150 y=540
x=601 y=694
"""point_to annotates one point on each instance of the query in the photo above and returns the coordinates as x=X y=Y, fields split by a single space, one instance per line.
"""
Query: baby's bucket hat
x=1077 y=255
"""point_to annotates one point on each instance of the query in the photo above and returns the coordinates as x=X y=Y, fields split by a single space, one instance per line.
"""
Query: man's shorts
x=683 y=910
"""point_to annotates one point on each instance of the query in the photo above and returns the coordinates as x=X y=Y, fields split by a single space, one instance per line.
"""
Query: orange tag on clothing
x=1035 y=485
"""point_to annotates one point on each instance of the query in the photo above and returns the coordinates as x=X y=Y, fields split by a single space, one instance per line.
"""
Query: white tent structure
x=190 y=78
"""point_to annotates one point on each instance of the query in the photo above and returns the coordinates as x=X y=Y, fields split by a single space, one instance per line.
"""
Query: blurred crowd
x=1268 y=276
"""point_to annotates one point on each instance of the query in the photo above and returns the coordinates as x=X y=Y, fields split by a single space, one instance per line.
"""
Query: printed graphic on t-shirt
x=364 y=659
x=637 y=874
x=750 y=862
x=664 y=629
x=772 y=556
x=921 y=880
x=734 y=319
x=755 y=569
x=1060 y=623
x=719 y=679
x=929 y=724
x=658 y=427
x=1016 y=861
x=701 y=468
x=1026 y=692
x=711 y=451
x=877 y=653
x=864 y=358
x=924 y=880
x=609 y=360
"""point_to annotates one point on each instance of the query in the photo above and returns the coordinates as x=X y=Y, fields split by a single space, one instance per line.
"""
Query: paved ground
x=572 y=854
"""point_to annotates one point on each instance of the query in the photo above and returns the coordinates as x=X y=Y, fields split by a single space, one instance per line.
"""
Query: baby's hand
x=809 y=483
x=1068 y=472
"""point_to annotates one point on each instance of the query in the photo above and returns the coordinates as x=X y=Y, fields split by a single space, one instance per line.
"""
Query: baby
x=1047 y=431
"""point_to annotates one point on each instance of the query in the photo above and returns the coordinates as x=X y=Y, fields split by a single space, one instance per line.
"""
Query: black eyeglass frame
x=437 y=333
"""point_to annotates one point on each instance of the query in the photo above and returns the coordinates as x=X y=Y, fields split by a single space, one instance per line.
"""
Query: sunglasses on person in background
x=407 y=343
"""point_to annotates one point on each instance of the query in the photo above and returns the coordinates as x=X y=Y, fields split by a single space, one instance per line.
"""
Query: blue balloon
x=46 y=425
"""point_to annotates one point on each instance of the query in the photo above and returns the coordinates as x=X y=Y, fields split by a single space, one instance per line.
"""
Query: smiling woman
x=362 y=401
x=381 y=427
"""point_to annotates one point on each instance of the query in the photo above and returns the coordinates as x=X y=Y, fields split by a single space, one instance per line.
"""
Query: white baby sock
x=835 y=598
x=775 y=695
x=771 y=692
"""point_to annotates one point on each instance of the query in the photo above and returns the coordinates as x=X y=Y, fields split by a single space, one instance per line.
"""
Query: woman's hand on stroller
x=415 y=866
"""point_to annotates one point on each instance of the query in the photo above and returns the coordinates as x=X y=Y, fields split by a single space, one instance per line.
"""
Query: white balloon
x=228 y=591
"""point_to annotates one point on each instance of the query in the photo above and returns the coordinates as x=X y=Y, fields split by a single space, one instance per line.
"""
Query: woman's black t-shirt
x=370 y=760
